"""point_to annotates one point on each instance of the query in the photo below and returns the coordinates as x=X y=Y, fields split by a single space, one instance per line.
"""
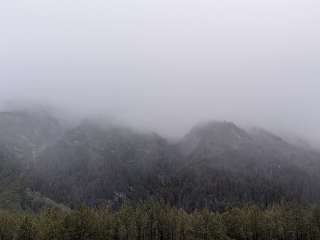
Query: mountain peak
x=214 y=135
x=215 y=127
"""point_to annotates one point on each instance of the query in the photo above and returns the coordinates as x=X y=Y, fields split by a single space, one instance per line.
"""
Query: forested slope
x=216 y=165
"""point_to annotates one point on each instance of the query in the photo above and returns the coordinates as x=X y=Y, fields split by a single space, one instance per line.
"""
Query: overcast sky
x=167 y=64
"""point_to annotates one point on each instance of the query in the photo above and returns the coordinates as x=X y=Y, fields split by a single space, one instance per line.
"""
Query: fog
x=167 y=64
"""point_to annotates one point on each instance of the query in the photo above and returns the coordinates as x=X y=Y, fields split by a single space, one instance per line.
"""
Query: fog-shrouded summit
x=167 y=64
x=44 y=162
x=162 y=119
x=47 y=161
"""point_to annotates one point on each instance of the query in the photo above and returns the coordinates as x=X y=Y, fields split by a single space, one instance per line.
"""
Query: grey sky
x=167 y=64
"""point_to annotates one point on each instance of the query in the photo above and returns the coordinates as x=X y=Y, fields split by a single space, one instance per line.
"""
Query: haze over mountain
x=167 y=64
x=159 y=120
x=97 y=162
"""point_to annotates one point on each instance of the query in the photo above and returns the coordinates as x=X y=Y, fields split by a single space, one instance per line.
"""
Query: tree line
x=154 y=220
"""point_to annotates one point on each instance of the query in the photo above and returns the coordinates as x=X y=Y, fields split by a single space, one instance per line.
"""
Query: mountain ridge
x=214 y=165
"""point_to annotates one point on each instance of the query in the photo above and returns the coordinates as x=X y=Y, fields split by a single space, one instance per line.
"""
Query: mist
x=166 y=65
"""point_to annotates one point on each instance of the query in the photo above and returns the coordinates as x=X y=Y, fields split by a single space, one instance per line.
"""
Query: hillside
x=225 y=164
x=93 y=164
x=215 y=165
x=23 y=135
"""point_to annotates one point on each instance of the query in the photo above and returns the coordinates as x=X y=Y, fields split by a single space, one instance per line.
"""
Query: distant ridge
x=217 y=164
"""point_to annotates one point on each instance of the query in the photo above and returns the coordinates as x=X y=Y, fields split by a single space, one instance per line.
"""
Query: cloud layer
x=167 y=64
